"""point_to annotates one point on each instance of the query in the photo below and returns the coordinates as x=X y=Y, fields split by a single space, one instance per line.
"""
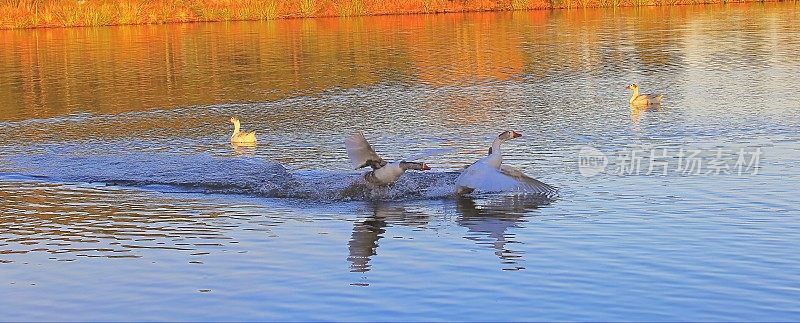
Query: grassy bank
x=69 y=13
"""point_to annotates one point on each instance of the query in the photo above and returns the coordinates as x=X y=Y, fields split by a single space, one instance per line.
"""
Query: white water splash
x=230 y=175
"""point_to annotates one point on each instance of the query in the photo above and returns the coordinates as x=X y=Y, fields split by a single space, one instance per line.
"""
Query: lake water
x=122 y=198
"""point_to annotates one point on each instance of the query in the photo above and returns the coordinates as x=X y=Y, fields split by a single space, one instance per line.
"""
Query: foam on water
x=229 y=175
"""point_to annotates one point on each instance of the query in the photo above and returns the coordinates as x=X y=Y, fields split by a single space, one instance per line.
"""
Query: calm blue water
x=123 y=200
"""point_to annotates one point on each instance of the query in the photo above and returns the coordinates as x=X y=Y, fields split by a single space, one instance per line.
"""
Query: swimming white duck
x=643 y=99
x=241 y=137
x=488 y=174
x=383 y=173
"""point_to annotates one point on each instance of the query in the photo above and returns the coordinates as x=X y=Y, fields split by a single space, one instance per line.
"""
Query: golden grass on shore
x=69 y=13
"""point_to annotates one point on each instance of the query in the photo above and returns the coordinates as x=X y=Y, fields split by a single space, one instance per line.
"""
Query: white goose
x=383 y=173
x=240 y=137
x=489 y=174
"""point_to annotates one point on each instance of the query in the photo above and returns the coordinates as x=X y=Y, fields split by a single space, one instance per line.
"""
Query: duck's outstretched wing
x=530 y=184
x=361 y=153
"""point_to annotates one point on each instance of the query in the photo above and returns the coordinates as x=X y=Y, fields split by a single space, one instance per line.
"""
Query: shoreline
x=31 y=14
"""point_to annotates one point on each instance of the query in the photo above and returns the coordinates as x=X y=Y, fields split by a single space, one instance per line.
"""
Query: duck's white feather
x=243 y=137
x=388 y=174
x=359 y=151
x=484 y=178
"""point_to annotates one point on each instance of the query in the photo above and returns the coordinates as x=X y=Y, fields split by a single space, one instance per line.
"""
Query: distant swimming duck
x=643 y=99
x=241 y=137
x=383 y=173
x=489 y=174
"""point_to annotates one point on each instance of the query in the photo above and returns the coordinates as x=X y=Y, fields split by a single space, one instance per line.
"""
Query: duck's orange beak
x=425 y=166
x=515 y=134
x=628 y=87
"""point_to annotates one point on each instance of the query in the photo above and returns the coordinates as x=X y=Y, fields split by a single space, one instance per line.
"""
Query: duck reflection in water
x=364 y=240
x=638 y=112
x=486 y=220
x=246 y=149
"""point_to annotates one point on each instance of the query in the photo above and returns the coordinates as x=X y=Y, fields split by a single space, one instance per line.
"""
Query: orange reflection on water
x=48 y=72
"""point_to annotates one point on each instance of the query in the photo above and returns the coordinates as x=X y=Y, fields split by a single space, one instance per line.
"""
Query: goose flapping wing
x=530 y=184
x=361 y=153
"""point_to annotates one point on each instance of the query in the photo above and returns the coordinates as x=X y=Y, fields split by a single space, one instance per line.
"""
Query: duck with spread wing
x=488 y=174
x=383 y=173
